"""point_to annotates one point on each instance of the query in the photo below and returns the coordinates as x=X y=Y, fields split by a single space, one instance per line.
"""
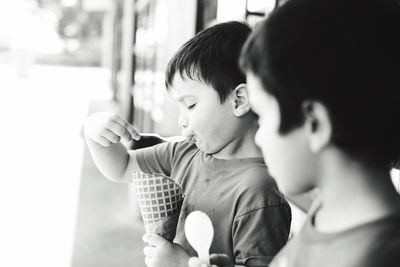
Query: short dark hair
x=342 y=53
x=212 y=57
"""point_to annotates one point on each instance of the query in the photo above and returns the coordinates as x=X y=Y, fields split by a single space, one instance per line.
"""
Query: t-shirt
x=250 y=216
x=373 y=244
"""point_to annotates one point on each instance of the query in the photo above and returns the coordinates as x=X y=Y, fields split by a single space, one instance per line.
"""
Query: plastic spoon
x=199 y=232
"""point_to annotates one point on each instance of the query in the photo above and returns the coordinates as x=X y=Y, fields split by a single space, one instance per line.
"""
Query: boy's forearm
x=112 y=161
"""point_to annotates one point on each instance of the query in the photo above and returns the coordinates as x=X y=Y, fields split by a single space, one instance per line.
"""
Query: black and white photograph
x=200 y=133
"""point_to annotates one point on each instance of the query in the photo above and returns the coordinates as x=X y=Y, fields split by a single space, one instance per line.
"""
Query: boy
x=219 y=167
x=323 y=76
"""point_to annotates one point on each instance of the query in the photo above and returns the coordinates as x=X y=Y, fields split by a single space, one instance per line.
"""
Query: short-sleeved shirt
x=250 y=216
x=372 y=244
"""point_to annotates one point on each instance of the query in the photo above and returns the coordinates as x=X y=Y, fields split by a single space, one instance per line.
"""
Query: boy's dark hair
x=342 y=53
x=212 y=57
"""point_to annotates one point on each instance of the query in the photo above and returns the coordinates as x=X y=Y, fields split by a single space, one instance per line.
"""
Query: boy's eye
x=190 y=107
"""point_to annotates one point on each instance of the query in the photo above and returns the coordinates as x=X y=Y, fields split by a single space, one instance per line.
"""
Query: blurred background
x=61 y=60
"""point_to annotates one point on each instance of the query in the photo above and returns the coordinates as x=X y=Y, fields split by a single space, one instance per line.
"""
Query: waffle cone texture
x=160 y=200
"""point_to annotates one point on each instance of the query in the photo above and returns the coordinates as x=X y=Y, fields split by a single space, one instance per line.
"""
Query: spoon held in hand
x=199 y=232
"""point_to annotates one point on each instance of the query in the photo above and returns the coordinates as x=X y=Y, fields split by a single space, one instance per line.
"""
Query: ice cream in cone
x=160 y=199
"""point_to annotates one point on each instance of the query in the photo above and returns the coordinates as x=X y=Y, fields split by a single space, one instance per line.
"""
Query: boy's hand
x=162 y=253
x=106 y=128
x=216 y=260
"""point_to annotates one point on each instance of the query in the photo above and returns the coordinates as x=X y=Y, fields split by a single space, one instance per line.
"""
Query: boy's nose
x=183 y=121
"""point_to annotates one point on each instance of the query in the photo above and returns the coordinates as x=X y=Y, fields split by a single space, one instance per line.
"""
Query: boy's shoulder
x=257 y=187
x=389 y=248
x=388 y=233
x=178 y=148
x=256 y=176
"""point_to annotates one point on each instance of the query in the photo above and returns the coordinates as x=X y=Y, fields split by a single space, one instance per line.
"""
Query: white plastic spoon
x=199 y=232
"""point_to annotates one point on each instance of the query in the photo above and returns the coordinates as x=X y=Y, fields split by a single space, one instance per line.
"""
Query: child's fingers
x=135 y=135
x=196 y=262
x=149 y=251
x=154 y=240
x=119 y=131
x=102 y=141
x=149 y=262
x=132 y=131
x=111 y=136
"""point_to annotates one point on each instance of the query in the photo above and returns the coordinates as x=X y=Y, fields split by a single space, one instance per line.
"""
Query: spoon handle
x=204 y=256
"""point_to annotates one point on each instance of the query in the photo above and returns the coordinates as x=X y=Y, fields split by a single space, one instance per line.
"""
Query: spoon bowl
x=199 y=232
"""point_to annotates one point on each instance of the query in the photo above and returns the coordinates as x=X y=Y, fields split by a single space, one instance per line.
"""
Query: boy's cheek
x=257 y=138
x=260 y=136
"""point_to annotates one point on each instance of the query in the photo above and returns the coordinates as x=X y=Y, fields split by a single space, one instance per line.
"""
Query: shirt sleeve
x=259 y=234
x=157 y=159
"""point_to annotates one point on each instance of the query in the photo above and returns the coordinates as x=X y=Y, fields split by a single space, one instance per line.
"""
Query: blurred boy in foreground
x=324 y=79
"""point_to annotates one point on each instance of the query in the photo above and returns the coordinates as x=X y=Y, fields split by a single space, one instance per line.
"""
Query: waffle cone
x=160 y=200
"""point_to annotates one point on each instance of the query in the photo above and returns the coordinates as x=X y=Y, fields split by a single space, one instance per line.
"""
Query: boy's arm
x=115 y=162
x=268 y=227
x=103 y=133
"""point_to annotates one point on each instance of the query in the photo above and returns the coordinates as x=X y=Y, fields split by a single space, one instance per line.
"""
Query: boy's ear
x=241 y=103
x=317 y=124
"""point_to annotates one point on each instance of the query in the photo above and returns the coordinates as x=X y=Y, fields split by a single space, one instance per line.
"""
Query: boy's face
x=288 y=157
x=203 y=119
